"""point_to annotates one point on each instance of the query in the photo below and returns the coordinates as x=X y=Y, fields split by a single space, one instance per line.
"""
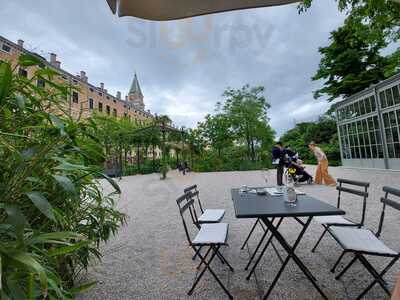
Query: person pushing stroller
x=294 y=167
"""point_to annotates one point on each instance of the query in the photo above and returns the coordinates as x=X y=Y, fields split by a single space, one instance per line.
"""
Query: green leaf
x=83 y=288
x=21 y=100
x=5 y=81
x=67 y=166
x=67 y=249
x=29 y=261
x=27 y=60
x=61 y=235
x=42 y=204
x=16 y=219
x=58 y=123
x=111 y=181
x=65 y=183
x=46 y=72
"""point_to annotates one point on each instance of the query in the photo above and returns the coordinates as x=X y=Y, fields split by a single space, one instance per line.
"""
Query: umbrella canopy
x=162 y=10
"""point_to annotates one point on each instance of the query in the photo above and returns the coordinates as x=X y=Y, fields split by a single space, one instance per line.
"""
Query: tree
x=353 y=60
x=247 y=109
x=216 y=130
x=323 y=132
x=382 y=16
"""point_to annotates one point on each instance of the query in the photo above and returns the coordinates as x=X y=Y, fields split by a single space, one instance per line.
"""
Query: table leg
x=258 y=246
x=290 y=250
x=250 y=233
x=263 y=250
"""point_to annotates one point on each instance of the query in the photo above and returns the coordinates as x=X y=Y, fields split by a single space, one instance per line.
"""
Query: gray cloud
x=185 y=65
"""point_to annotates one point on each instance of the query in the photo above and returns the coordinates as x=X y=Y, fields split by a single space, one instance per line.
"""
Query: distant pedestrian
x=184 y=167
x=321 y=174
x=278 y=159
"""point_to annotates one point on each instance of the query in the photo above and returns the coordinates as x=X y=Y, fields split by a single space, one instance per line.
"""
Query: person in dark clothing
x=278 y=159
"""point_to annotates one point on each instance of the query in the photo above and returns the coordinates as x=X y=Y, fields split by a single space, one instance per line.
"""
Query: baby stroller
x=295 y=169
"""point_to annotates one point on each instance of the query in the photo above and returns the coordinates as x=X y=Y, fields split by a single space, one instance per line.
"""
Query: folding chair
x=212 y=236
x=208 y=215
x=362 y=242
x=327 y=221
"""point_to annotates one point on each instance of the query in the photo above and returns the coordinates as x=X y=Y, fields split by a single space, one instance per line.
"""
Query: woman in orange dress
x=321 y=174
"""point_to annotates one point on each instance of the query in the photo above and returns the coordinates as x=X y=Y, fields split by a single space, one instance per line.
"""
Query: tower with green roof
x=135 y=94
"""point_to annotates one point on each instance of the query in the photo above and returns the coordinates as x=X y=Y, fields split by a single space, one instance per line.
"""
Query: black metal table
x=267 y=208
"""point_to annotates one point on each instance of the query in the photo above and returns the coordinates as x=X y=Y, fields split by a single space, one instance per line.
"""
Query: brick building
x=88 y=98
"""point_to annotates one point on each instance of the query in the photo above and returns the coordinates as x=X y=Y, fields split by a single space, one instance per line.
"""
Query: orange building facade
x=87 y=98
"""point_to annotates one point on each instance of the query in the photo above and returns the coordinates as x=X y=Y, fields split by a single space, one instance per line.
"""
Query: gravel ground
x=150 y=258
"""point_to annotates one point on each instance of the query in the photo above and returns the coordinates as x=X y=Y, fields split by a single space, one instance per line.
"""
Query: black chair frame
x=212 y=248
x=345 y=189
x=360 y=255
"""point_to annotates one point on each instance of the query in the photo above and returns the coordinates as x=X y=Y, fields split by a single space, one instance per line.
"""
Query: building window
x=75 y=81
x=391 y=129
x=90 y=89
x=108 y=98
x=357 y=109
x=115 y=101
x=108 y=109
x=125 y=114
x=90 y=103
x=361 y=139
x=41 y=83
x=6 y=48
x=100 y=94
x=75 y=97
x=100 y=107
x=390 y=97
x=23 y=72
x=114 y=112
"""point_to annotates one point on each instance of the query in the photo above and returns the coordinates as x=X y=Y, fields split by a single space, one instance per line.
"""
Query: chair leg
x=223 y=258
x=250 y=233
x=320 y=238
x=337 y=262
x=195 y=255
x=374 y=273
x=346 y=268
x=205 y=256
x=382 y=273
x=202 y=271
x=207 y=266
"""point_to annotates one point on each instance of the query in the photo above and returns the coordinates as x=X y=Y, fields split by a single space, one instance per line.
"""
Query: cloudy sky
x=184 y=66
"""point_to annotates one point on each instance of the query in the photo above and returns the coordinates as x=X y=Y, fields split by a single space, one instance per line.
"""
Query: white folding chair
x=327 y=221
x=362 y=242
x=207 y=215
x=212 y=236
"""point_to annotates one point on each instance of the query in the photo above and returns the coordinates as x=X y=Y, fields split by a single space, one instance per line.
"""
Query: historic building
x=369 y=126
x=87 y=98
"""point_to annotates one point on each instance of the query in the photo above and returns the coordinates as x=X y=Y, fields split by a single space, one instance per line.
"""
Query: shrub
x=53 y=214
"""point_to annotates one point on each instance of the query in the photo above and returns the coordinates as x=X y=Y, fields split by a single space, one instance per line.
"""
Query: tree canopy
x=354 y=58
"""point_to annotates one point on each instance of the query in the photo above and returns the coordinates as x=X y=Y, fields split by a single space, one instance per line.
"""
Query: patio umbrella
x=162 y=10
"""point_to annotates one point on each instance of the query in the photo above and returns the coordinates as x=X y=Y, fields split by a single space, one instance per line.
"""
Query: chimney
x=126 y=98
x=57 y=64
x=20 y=43
x=83 y=76
x=102 y=85
x=53 y=58
x=119 y=95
